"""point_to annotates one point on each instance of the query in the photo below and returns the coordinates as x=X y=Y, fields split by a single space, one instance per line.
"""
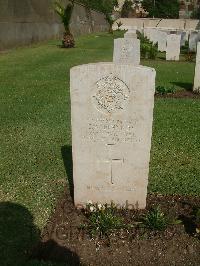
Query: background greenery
x=162 y=8
x=104 y=6
x=35 y=125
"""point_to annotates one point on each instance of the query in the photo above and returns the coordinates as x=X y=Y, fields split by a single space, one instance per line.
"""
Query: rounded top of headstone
x=130 y=34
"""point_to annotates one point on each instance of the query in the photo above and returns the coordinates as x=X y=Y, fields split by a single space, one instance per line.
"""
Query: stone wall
x=188 y=24
x=26 y=21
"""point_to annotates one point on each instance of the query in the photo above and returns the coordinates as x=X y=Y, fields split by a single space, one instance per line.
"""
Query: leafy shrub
x=164 y=90
x=119 y=24
x=185 y=48
x=126 y=8
x=147 y=48
x=141 y=37
x=102 y=219
x=155 y=219
x=189 y=55
x=153 y=51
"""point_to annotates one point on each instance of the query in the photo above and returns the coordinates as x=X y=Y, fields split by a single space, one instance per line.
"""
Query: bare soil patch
x=180 y=94
x=63 y=240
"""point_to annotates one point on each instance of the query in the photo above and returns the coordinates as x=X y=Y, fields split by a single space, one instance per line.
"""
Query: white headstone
x=131 y=34
x=126 y=50
x=173 y=47
x=193 y=39
x=196 y=87
x=147 y=32
x=162 y=41
x=153 y=35
x=112 y=115
x=184 y=37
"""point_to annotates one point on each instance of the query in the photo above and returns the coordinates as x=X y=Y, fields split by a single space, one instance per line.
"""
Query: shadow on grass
x=20 y=240
x=17 y=234
x=161 y=58
x=68 y=163
x=185 y=85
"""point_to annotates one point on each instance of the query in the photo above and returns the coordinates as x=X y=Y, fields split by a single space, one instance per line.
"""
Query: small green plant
x=164 y=90
x=155 y=219
x=119 y=24
x=153 y=51
x=102 y=219
x=189 y=55
x=185 y=48
x=147 y=48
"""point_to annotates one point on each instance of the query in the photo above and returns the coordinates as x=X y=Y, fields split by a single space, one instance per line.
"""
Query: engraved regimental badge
x=110 y=95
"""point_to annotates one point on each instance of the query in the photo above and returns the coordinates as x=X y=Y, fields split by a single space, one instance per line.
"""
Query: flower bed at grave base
x=65 y=238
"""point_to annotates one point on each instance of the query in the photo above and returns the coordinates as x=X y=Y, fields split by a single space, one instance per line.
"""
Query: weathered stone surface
x=184 y=38
x=112 y=114
x=196 y=87
x=131 y=34
x=193 y=39
x=126 y=50
x=162 y=41
x=173 y=47
x=176 y=24
x=146 y=32
x=153 y=35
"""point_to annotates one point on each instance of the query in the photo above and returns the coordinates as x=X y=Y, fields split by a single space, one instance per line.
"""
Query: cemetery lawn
x=35 y=128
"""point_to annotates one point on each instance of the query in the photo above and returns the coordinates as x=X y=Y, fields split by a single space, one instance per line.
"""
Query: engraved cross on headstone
x=115 y=163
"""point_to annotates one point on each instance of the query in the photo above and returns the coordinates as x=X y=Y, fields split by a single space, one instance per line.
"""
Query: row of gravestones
x=127 y=50
x=111 y=115
x=171 y=41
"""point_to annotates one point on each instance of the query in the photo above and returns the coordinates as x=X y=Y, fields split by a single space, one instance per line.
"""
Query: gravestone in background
x=146 y=33
x=173 y=47
x=193 y=39
x=154 y=35
x=162 y=41
x=126 y=51
x=196 y=87
x=131 y=33
x=184 y=38
x=112 y=115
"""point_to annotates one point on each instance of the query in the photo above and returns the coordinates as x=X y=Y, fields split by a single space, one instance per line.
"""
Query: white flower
x=103 y=207
x=99 y=206
x=89 y=202
x=92 y=209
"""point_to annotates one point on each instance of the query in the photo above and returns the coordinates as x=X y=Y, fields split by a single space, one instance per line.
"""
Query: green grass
x=35 y=124
x=175 y=155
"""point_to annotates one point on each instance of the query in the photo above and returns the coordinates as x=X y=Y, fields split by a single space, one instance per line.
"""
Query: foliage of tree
x=126 y=8
x=162 y=8
x=65 y=14
x=196 y=13
x=104 y=6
